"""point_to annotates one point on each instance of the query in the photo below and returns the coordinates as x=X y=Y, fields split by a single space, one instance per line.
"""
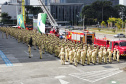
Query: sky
x=33 y=2
x=2 y=1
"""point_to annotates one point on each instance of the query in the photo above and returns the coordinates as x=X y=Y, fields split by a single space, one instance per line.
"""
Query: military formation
x=68 y=51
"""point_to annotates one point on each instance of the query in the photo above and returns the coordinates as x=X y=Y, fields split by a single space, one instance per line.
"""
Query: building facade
x=122 y=2
x=11 y=9
x=67 y=13
x=88 y=2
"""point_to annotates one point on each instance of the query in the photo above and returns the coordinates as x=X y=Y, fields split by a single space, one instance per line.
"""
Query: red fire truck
x=120 y=45
x=79 y=36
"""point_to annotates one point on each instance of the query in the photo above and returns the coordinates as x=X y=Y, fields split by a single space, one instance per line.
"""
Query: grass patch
x=106 y=31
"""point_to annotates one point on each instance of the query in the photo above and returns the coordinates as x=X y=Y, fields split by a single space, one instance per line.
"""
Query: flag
x=20 y=21
x=41 y=22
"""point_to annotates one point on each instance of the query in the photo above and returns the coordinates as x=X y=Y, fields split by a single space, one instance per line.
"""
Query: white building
x=12 y=8
x=122 y=2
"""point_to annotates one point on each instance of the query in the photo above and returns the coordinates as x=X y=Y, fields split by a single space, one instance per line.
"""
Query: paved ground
x=17 y=68
x=108 y=36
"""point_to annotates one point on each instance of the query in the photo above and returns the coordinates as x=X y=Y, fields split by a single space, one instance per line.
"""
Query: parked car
x=119 y=36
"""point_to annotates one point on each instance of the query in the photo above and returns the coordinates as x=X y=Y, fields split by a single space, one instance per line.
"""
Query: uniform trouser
x=24 y=39
x=66 y=57
x=43 y=51
x=19 y=39
x=29 y=50
x=62 y=60
x=110 y=59
x=100 y=59
x=93 y=58
x=70 y=59
x=34 y=46
x=30 y=53
x=118 y=58
x=114 y=56
x=6 y=36
x=40 y=54
x=51 y=50
x=78 y=58
x=88 y=60
x=105 y=59
x=75 y=61
x=55 y=52
x=82 y=60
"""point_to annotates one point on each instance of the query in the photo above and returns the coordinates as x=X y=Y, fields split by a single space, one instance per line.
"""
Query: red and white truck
x=119 y=44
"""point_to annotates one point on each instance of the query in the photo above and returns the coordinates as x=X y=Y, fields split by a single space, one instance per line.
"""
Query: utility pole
x=122 y=16
x=83 y=21
x=122 y=21
x=102 y=13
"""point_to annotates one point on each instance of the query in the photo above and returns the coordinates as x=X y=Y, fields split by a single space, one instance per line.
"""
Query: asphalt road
x=17 y=68
x=108 y=36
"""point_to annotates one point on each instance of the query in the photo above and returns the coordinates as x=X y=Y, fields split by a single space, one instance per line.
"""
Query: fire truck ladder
x=50 y=18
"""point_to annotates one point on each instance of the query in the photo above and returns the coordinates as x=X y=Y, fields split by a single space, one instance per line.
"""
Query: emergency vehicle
x=29 y=27
x=119 y=45
x=80 y=36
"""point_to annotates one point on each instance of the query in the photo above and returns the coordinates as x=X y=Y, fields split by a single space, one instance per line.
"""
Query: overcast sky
x=2 y=1
x=33 y=2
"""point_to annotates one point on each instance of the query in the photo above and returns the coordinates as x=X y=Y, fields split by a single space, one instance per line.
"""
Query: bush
x=113 y=30
x=99 y=29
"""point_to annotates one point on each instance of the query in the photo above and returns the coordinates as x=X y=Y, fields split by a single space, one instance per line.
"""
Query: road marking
x=113 y=82
x=63 y=82
x=76 y=68
x=94 y=76
x=5 y=59
x=59 y=77
x=28 y=54
x=72 y=66
x=22 y=83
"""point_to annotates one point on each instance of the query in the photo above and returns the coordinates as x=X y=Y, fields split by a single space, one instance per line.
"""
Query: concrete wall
x=11 y=10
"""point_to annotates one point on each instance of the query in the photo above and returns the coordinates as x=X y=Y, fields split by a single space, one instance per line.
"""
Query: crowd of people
x=68 y=51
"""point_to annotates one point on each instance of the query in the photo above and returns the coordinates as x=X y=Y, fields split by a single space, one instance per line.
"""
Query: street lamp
x=122 y=15
x=77 y=19
x=83 y=22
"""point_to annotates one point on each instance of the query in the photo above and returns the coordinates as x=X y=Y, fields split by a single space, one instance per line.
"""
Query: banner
x=20 y=21
x=41 y=22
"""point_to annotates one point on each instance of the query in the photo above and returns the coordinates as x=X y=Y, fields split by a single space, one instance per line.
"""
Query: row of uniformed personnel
x=66 y=50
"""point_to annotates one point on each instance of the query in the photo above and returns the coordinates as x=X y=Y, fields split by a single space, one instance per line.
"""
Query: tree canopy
x=102 y=11
x=5 y=17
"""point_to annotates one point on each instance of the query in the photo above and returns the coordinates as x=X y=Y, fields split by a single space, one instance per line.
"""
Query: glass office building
x=88 y=2
x=68 y=12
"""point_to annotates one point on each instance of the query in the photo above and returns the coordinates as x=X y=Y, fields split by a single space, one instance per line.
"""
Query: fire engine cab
x=119 y=44
x=80 y=36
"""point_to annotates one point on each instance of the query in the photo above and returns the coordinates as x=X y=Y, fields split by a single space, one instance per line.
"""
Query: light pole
x=121 y=13
x=77 y=19
x=83 y=22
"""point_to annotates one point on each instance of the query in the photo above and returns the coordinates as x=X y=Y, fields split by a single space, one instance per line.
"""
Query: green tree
x=5 y=17
x=99 y=9
x=118 y=9
x=103 y=24
x=102 y=10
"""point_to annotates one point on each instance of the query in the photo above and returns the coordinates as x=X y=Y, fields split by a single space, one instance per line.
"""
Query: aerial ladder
x=50 y=18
